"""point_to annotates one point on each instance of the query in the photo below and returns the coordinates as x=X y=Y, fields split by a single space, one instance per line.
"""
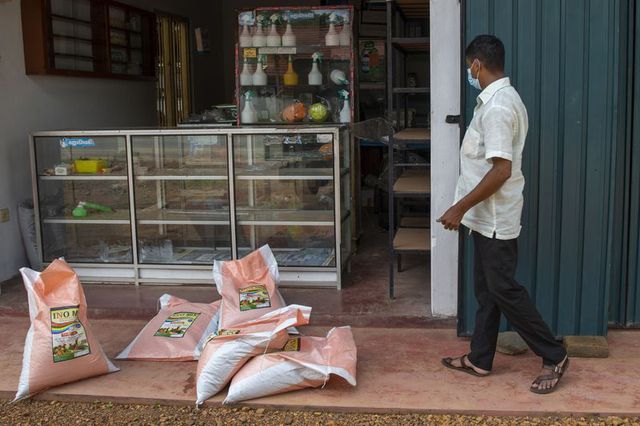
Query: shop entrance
x=401 y=202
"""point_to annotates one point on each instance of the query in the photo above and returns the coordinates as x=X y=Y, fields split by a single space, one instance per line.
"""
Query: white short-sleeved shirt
x=498 y=129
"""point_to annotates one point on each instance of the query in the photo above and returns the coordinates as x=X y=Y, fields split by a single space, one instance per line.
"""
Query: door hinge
x=453 y=119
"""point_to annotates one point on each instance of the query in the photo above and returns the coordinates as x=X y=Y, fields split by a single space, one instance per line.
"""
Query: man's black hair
x=489 y=50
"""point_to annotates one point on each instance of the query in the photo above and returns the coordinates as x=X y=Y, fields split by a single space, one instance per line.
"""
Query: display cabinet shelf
x=185 y=199
x=83 y=177
x=287 y=174
x=165 y=173
x=308 y=257
x=181 y=177
x=155 y=216
x=286 y=217
x=115 y=218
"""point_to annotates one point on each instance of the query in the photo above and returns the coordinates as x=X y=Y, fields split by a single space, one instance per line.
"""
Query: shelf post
x=132 y=209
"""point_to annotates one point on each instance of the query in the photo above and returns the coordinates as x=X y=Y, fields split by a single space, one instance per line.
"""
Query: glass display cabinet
x=295 y=65
x=159 y=206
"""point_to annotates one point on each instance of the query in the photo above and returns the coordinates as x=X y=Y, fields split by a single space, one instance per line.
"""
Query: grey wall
x=29 y=103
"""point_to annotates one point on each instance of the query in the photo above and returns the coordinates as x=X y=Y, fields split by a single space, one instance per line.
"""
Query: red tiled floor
x=398 y=370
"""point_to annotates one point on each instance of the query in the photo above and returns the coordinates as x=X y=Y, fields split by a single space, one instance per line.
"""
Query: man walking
x=489 y=203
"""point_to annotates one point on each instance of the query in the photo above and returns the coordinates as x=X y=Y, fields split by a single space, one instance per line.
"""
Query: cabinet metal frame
x=143 y=273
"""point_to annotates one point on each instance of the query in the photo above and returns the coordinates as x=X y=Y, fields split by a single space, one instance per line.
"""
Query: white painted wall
x=445 y=167
x=29 y=103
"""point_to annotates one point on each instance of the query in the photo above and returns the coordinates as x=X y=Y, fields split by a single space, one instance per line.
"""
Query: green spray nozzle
x=81 y=209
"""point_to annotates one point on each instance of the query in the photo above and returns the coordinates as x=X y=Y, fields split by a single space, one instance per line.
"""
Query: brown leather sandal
x=464 y=367
x=556 y=373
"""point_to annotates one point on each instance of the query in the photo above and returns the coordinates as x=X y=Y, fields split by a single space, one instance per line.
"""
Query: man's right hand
x=451 y=218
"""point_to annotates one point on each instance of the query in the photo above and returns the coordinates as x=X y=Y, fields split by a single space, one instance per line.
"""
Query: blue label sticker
x=77 y=142
x=246 y=18
x=300 y=16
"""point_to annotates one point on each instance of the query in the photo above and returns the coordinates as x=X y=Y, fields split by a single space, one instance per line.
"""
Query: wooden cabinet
x=88 y=38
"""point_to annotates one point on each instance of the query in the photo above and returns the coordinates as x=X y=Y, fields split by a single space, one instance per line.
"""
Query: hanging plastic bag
x=248 y=287
x=305 y=362
x=229 y=349
x=176 y=333
x=60 y=346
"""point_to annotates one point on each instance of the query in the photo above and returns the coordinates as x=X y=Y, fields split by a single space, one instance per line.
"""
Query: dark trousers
x=497 y=292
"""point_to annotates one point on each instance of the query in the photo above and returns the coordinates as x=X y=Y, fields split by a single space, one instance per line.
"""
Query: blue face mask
x=474 y=82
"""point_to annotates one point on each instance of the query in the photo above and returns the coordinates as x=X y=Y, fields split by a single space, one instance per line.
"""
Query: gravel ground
x=72 y=413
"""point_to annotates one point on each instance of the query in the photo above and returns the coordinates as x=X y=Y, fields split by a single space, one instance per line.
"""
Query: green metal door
x=563 y=56
x=625 y=296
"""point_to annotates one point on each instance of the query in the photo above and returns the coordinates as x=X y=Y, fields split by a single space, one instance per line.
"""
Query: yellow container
x=92 y=165
x=290 y=77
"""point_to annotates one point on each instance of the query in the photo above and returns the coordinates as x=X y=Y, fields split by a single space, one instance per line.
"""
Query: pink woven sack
x=305 y=362
x=248 y=287
x=229 y=349
x=60 y=346
x=176 y=333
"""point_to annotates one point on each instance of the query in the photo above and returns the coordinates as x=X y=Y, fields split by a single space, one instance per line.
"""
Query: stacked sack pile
x=247 y=339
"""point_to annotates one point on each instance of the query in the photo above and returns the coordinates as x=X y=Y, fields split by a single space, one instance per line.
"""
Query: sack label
x=68 y=337
x=254 y=297
x=177 y=324
x=292 y=345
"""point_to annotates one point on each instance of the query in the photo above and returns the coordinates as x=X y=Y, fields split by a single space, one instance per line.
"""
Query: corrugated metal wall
x=632 y=312
x=564 y=58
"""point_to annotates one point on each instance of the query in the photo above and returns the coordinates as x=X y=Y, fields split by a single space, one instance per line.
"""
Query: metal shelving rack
x=410 y=234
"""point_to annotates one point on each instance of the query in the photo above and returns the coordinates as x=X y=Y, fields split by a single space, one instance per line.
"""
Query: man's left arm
x=498 y=125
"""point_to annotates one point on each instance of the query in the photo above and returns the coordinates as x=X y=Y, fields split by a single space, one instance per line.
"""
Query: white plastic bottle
x=288 y=38
x=249 y=114
x=246 y=77
x=259 y=77
x=331 y=38
x=259 y=39
x=245 y=37
x=315 y=76
x=274 y=39
x=345 y=35
x=345 y=112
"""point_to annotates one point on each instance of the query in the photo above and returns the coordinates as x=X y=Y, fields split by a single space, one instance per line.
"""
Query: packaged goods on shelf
x=176 y=333
x=60 y=346
x=293 y=50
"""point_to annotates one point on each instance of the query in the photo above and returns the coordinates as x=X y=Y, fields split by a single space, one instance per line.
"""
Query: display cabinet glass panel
x=182 y=198
x=87 y=242
x=284 y=195
x=83 y=198
x=304 y=245
x=160 y=206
